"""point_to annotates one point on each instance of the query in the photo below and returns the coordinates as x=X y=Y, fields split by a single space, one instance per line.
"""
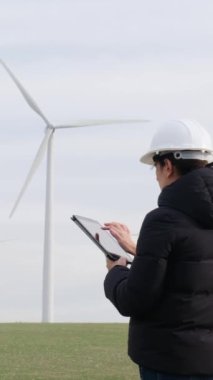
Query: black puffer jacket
x=168 y=291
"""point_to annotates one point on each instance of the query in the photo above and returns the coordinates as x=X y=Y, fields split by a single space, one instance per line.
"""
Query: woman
x=168 y=291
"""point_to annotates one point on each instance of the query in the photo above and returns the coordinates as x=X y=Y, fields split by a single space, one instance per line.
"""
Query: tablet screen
x=101 y=237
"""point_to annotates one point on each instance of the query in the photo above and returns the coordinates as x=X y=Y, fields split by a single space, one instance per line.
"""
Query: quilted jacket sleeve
x=136 y=291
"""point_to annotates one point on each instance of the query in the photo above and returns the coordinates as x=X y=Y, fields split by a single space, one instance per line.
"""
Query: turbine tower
x=47 y=146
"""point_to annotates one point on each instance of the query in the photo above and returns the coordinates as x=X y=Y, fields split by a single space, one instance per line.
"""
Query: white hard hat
x=186 y=138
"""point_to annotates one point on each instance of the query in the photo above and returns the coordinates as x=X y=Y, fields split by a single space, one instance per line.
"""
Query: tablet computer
x=102 y=238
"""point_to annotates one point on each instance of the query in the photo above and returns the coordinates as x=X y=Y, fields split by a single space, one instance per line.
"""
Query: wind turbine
x=47 y=145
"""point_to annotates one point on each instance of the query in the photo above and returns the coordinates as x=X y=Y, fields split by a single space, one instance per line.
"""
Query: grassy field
x=65 y=351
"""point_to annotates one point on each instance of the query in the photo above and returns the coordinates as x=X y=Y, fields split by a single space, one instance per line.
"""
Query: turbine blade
x=25 y=94
x=6 y=241
x=91 y=123
x=34 y=166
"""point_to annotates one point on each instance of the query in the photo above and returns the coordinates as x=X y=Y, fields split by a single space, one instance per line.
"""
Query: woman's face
x=161 y=175
x=166 y=174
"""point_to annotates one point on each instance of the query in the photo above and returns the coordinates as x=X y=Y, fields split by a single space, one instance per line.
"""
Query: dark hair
x=182 y=166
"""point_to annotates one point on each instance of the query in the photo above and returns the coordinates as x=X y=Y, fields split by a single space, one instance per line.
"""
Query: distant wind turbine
x=47 y=145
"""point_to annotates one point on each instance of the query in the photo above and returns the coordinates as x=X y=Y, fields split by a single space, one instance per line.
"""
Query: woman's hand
x=111 y=264
x=123 y=236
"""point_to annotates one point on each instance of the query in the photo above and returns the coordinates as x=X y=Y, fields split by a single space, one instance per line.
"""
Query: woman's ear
x=169 y=168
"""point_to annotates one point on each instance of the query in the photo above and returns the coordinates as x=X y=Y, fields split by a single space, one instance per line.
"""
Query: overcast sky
x=83 y=59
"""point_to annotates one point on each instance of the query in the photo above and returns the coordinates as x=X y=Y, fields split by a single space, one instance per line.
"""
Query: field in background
x=65 y=351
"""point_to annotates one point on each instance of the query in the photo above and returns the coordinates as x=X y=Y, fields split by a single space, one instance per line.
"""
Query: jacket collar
x=191 y=194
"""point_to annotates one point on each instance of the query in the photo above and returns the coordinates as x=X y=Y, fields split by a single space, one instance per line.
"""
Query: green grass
x=65 y=351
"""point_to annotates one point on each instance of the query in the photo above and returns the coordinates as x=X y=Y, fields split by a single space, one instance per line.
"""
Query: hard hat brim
x=198 y=154
x=148 y=158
